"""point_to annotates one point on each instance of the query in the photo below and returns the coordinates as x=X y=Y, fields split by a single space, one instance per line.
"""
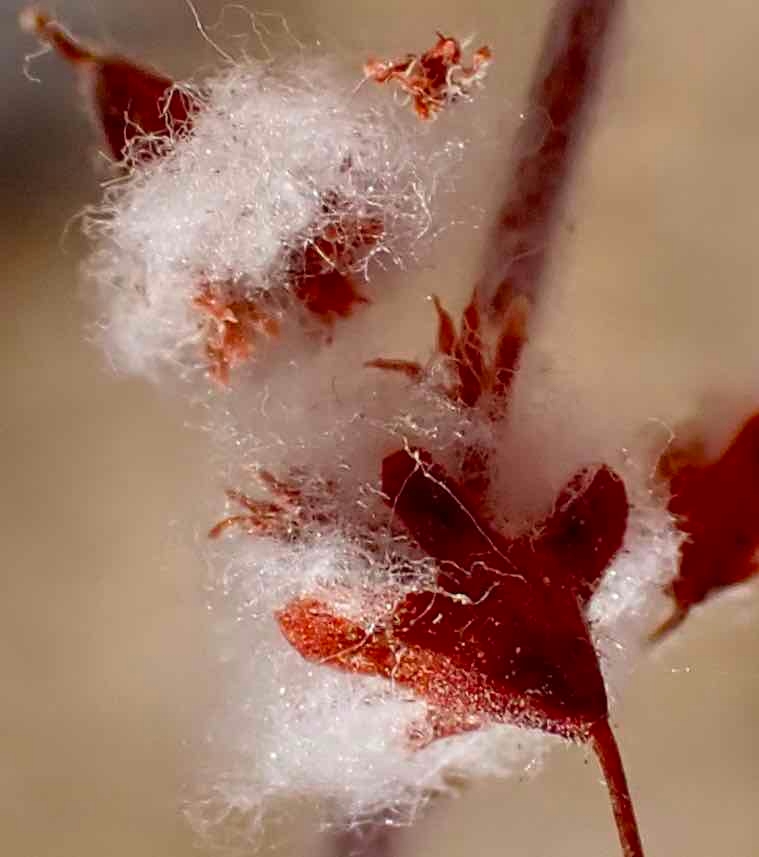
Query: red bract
x=716 y=504
x=318 y=276
x=506 y=617
x=130 y=101
x=232 y=325
x=503 y=637
x=475 y=375
x=320 y=273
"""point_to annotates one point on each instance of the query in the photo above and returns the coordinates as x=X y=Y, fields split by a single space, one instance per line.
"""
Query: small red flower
x=475 y=376
x=434 y=79
x=232 y=323
x=318 y=276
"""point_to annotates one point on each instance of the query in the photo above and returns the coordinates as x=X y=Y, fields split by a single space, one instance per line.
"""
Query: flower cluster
x=410 y=625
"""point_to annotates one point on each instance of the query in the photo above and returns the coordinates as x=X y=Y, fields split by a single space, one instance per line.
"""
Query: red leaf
x=508 y=609
x=129 y=100
x=503 y=637
x=717 y=507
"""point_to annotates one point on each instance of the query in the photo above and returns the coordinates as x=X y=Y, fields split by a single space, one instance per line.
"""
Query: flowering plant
x=259 y=220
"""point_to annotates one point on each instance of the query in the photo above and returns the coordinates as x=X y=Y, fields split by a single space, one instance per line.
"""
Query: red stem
x=566 y=78
x=607 y=751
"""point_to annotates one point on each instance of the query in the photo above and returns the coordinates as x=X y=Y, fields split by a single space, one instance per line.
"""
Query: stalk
x=565 y=82
x=607 y=750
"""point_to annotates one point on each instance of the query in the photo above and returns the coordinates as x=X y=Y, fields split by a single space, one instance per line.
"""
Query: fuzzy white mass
x=231 y=201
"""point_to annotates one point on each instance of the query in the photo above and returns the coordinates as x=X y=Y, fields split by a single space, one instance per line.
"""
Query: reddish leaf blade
x=461 y=698
x=512 y=614
x=504 y=638
x=565 y=81
x=587 y=528
x=132 y=101
x=318 y=634
x=717 y=507
x=575 y=545
x=129 y=100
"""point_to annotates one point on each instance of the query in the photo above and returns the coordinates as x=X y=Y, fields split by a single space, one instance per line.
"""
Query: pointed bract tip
x=46 y=29
x=32 y=20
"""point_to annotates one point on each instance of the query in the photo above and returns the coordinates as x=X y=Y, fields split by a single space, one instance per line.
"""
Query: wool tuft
x=278 y=157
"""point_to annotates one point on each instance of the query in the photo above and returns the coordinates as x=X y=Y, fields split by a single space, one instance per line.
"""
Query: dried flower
x=434 y=79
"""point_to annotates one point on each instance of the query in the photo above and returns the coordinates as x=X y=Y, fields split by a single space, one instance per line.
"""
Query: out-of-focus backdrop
x=106 y=664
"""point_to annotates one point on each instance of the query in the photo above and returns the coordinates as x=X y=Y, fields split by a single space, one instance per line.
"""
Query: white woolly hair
x=230 y=202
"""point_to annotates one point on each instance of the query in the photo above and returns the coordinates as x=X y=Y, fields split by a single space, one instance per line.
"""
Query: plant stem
x=607 y=751
x=564 y=83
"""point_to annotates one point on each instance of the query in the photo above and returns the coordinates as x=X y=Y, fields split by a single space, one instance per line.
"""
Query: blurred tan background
x=106 y=665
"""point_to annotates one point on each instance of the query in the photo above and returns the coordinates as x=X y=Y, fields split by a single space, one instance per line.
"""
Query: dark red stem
x=566 y=78
x=607 y=751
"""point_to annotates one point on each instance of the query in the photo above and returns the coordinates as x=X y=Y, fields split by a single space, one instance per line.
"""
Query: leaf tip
x=39 y=23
